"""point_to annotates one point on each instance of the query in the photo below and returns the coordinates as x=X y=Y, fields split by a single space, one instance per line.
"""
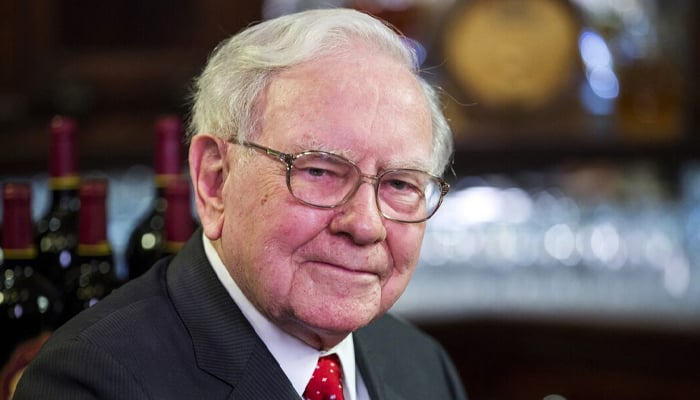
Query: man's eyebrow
x=405 y=163
x=410 y=163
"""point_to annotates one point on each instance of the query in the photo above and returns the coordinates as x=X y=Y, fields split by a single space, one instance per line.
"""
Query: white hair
x=241 y=67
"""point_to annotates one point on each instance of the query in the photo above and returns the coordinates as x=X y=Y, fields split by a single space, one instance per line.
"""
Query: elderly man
x=315 y=157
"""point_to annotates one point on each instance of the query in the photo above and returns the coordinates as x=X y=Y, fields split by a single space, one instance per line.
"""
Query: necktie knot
x=326 y=380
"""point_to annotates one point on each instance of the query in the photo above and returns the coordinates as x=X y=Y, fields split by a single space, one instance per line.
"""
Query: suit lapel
x=225 y=344
x=372 y=365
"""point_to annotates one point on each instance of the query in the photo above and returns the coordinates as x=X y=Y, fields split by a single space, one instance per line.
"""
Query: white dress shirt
x=296 y=358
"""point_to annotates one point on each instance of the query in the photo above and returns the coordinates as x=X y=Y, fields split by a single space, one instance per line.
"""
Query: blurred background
x=565 y=262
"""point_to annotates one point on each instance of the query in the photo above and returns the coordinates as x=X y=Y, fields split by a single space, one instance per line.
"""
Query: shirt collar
x=296 y=358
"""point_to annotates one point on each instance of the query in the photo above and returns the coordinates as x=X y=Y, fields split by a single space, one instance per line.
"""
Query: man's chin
x=326 y=332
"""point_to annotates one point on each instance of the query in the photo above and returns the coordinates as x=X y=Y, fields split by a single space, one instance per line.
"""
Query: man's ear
x=208 y=170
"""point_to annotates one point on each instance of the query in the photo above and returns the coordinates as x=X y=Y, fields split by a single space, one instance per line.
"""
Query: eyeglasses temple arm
x=284 y=157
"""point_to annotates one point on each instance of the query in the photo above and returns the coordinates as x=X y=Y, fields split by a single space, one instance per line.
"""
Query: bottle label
x=19 y=254
x=173 y=247
x=64 y=182
x=98 y=249
x=162 y=180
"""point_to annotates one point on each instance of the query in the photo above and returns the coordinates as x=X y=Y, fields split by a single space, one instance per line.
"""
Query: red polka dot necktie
x=326 y=383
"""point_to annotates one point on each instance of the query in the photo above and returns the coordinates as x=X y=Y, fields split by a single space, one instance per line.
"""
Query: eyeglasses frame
x=288 y=160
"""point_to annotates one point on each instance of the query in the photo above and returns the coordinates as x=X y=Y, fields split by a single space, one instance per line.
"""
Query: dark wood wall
x=526 y=359
x=113 y=65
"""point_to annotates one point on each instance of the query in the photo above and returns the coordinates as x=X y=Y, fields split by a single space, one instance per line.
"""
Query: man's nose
x=360 y=217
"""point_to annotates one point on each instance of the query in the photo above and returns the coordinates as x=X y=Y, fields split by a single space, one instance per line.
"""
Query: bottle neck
x=178 y=216
x=17 y=227
x=92 y=218
x=167 y=159
x=63 y=160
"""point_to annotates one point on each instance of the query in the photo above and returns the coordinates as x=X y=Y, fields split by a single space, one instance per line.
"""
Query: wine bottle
x=146 y=242
x=57 y=229
x=178 y=223
x=30 y=305
x=92 y=276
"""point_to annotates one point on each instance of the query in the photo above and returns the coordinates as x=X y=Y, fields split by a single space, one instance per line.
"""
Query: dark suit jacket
x=175 y=333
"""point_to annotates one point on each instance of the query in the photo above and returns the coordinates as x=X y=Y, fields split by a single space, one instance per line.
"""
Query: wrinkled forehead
x=342 y=94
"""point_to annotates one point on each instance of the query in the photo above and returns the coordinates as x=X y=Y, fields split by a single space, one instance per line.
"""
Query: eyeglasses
x=326 y=180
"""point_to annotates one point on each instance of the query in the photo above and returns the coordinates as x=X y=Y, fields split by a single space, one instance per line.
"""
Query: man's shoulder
x=402 y=361
x=136 y=307
x=132 y=344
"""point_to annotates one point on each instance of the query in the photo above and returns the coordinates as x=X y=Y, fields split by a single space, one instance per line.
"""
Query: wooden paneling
x=528 y=360
x=113 y=66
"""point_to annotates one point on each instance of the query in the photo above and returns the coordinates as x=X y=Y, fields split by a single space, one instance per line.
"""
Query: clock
x=515 y=54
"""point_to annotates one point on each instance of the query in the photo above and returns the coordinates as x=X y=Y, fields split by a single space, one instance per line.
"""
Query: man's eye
x=399 y=184
x=317 y=171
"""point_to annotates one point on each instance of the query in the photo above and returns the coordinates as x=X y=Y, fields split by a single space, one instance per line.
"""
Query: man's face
x=322 y=273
